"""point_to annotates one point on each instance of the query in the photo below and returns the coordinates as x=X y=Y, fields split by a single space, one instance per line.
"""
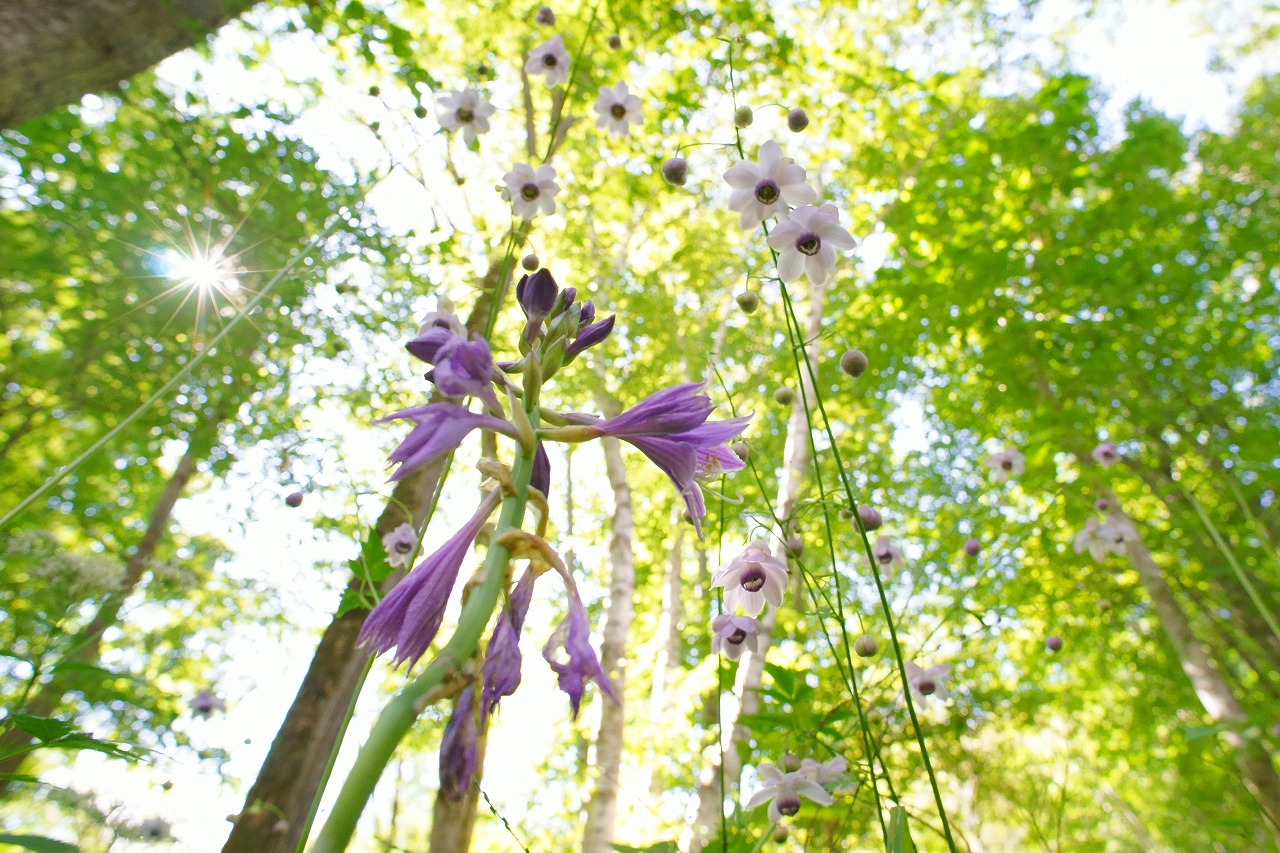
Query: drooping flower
x=670 y=427
x=782 y=791
x=751 y=579
x=440 y=428
x=409 y=616
x=536 y=295
x=1095 y=541
x=1106 y=454
x=573 y=637
x=458 y=755
x=924 y=683
x=887 y=554
x=204 y=703
x=400 y=544
x=464 y=109
x=465 y=369
x=438 y=328
x=1120 y=531
x=502 y=659
x=732 y=635
x=531 y=191
x=763 y=189
x=549 y=58
x=824 y=772
x=1005 y=464
x=806 y=242
x=617 y=109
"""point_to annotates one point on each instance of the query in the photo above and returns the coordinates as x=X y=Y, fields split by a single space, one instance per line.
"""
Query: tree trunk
x=54 y=51
x=796 y=458
x=597 y=836
x=1252 y=758
x=88 y=643
x=277 y=806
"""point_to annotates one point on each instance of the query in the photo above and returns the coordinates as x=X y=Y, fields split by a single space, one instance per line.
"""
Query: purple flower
x=589 y=335
x=204 y=703
x=670 y=427
x=714 y=462
x=733 y=635
x=1106 y=454
x=437 y=329
x=573 y=636
x=536 y=295
x=501 y=669
x=458 y=759
x=440 y=428
x=540 y=479
x=409 y=617
x=463 y=368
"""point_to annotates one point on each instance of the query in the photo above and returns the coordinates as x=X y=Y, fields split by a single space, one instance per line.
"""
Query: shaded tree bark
x=597 y=836
x=54 y=51
x=88 y=644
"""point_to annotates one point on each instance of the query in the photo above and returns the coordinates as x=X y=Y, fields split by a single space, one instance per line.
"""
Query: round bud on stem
x=784 y=396
x=790 y=762
x=675 y=171
x=545 y=16
x=795 y=546
x=740 y=450
x=615 y=41
x=742 y=116
x=530 y=262
x=781 y=833
x=870 y=518
x=374 y=91
x=294 y=499
x=1103 y=504
x=797 y=120
x=972 y=547
x=1053 y=644
x=420 y=111
x=748 y=301
x=846 y=515
x=854 y=362
x=866 y=646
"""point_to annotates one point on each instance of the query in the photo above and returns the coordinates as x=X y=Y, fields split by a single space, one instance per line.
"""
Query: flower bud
x=545 y=17
x=866 y=646
x=294 y=499
x=675 y=171
x=615 y=41
x=790 y=762
x=530 y=262
x=846 y=515
x=797 y=120
x=972 y=547
x=784 y=396
x=781 y=833
x=870 y=518
x=420 y=111
x=854 y=362
x=742 y=116
x=740 y=450
x=748 y=301
x=1102 y=504
x=795 y=546
x=1053 y=644
x=374 y=91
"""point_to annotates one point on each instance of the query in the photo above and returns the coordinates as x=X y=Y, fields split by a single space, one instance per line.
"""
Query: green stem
x=398 y=716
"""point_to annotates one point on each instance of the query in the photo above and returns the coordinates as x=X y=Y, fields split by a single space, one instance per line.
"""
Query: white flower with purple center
x=887 y=554
x=733 y=635
x=531 y=191
x=1007 y=463
x=1106 y=454
x=782 y=791
x=204 y=703
x=549 y=58
x=617 y=109
x=924 y=683
x=824 y=772
x=806 y=242
x=463 y=110
x=400 y=545
x=763 y=189
x=752 y=579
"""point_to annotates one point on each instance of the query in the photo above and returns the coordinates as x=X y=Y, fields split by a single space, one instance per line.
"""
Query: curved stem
x=398 y=717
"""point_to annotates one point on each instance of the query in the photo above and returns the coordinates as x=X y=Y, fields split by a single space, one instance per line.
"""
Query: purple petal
x=573 y=634
x=588 y=337
x=440 y=428
x=676 y=409
x=540 y=479
x=458 y=758
x=502 y=661
x=463 y=368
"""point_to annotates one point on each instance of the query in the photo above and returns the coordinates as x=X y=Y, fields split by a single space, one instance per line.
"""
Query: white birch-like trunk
x=796 y=458
x=602 y=808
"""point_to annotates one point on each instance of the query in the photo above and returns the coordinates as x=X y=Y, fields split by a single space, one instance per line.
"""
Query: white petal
x=761 y=797
x=769 y=156
x=790 y=265
x=742 y=175
x=813 y=791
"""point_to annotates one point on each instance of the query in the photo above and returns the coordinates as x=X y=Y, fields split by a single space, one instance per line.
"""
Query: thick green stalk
x=400 y=713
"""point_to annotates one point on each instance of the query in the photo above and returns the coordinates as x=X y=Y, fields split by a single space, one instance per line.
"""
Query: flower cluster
x=752 y=579
x=812 y=780
x=807 y=236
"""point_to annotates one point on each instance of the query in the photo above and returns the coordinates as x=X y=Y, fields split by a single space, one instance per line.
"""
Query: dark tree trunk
x=54 y=51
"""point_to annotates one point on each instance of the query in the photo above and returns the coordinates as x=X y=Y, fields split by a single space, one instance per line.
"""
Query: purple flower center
x=403 y=547
x=1006 y=465
x=926 y=686
x=618 y=111
x=788 y=804
x=736 y=638
x=808 y=243
x=885 y=557
x=529 y=192
x=465 y=115
x=753 y=578
x=767 y=192
x=549 y=60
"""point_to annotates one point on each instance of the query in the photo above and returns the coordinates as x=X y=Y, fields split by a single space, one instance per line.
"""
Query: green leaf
x=899 y=833
x=783 y=677
x=43 y=729
x=38 y=843
x=1195 y=733
x=660 y=847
